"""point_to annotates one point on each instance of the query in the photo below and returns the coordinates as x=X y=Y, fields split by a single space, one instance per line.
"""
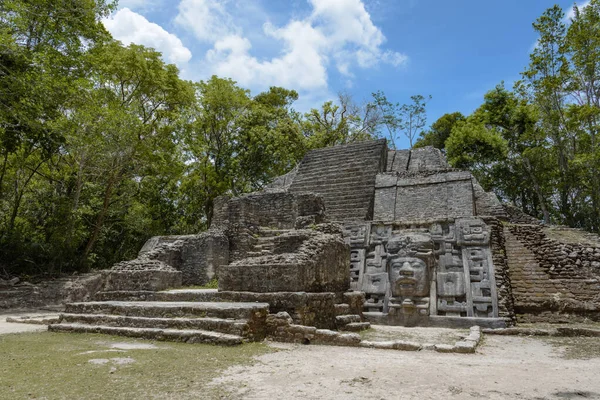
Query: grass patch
x=212 y=284
x=572 y=236
x=575 y=348
x=57 y=366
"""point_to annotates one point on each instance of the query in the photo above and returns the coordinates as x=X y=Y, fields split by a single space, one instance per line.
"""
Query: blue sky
x=454 y=51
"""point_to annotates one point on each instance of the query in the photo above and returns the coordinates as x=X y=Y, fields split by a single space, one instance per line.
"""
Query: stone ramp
x=532 y=287
x=225 y=323
x=345 y=178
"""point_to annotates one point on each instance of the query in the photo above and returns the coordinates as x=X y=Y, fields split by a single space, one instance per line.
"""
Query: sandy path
x=503 y=368
x=11 y=327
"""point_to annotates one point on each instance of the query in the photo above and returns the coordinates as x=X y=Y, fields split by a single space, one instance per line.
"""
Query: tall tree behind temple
x=235 y=143
x=549 y=125
x=439 y=131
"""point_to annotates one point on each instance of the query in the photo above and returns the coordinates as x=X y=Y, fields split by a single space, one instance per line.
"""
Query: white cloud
x=130 y=27
x=208 y=20
x=581 y=6
x=338 y=32
x=138 y=4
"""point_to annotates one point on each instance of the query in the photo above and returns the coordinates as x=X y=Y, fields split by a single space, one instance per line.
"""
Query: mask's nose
x=406 y=269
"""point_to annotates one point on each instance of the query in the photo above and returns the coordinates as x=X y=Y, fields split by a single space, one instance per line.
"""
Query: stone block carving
x=442 y=269
x=451 y=284
x=472 y=232
x=357 y=262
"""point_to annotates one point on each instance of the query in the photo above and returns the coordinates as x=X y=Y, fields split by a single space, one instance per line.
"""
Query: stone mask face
x=409 y=276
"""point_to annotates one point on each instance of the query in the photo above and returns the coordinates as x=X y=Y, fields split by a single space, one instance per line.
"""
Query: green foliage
x=439 y=132
x=408 y=119
x=549 y=163
x=473 y=146
x=341 y=123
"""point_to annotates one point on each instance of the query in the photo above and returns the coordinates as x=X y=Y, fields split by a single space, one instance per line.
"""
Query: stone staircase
x=344 y=176
x=265 y=242
x=532 y=287
x=224 y=323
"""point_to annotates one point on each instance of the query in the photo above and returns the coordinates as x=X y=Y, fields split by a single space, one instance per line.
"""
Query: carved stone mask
x=409 y=276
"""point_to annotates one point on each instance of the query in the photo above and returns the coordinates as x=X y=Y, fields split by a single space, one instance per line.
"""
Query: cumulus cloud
x=138 y=4
x=131 y=27
x=336 y=32
x=208 y=20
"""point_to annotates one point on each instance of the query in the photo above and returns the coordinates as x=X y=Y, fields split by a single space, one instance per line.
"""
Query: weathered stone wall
x=344 y=176
x=487 y=203
x=310 y=309
x=141 y=274
x=426 y=158
x=281 y=327
x=50 y=293
x=552 y=280
x=515 y=215
x=198 y=257
x=277 y=209
x=503 y=284
x=318 y=263
x=422 y=197
x=397 y=161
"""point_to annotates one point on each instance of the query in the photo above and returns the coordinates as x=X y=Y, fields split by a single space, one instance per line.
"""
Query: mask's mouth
x=406 y=282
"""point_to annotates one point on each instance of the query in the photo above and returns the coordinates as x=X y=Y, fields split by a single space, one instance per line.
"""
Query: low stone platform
x=172 y=335
x=379 y=318
x=157 y=309
x=312 y=309
x=193 y=322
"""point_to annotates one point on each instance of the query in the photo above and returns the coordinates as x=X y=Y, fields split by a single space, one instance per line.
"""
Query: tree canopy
x=104 y=145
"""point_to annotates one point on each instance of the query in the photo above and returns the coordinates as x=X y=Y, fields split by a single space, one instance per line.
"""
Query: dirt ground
x=503 y=368
x=11 y=327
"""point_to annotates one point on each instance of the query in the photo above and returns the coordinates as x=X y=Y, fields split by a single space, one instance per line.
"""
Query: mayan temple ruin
x=355 y=235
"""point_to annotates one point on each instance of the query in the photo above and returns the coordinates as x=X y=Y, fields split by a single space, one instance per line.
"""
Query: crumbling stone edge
x=558 y=332
x=280 y=328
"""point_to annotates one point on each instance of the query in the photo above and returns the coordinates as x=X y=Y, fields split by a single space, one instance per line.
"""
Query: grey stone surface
x=198 y=257
x=344 y=176
x=426 y=158
x=416 y=242
x=302 y=260
x=173 y=335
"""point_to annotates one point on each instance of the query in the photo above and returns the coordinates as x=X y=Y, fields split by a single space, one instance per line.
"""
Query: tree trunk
x=537 y=189
x=100 y=219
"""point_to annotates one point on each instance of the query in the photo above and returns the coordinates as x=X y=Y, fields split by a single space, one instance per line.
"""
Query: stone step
x=335 y=174
x=358 y=148
x=347 y=211
x=339 y=185
x=337 y=167
x=347 y=203
x=268 y=233
x=345 y=153
x=265 y=246
x=260 y=253
x=195 y=295
x=172 y=335
x=169 y=309
x=341 y=309
x=341 y=320
x=356 y=326
x=230 y=326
